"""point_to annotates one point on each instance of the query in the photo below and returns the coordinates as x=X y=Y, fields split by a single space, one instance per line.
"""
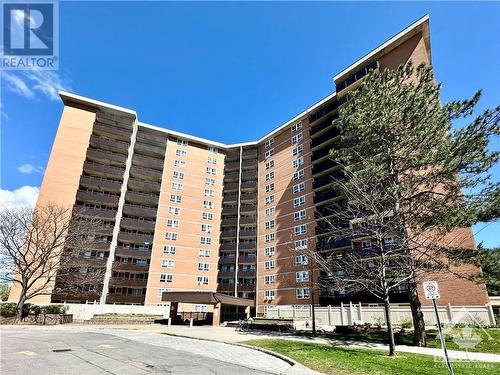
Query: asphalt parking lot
x=33 y=350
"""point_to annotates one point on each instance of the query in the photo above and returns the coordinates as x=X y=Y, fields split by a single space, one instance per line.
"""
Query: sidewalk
x=230 y=335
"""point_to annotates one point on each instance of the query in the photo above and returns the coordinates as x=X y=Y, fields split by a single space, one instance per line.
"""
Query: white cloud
x=25 y=196
x=36 y=83
x=30 y=168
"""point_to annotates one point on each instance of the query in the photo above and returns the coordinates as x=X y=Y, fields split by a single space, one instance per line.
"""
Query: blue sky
x=229 y=71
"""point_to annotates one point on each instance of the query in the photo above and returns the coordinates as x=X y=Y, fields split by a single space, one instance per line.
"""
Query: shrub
x=35 y=310
x=55 y=309
x=406 y=323
x=8 y=309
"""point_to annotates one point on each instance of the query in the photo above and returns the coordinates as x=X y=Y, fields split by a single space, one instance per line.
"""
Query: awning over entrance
x=206 y=298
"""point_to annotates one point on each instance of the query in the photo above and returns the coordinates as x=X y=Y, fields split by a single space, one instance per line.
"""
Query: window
x=297 y=150
x=270 y=237
x=172 y=223
x=168 y=263
x=166 y=278
x=211 y=170
x=182 y=142
x=168 y=249
x=270 y=199
x=270 y=264
x=178 y=175
x=206 y=240
x=297 y=138
x=174 y=210
x=212 y=149
x=160 y=291
x=206 y=228
x=180 y=152
x=302 y=276
x=177 y=186
x=269 y=176
x=212 y=160
x=302 y=293
x=269 y=164
x=366 y=244
x=301 y=260
x=270 y=279
x=208 y=204
x=203 y=266
x=209 y=192
x=301 y=245
x=171 y=236
x=298 y=162
x=200 y=308
x=175 y=198
x=296 y=127
x=269 y=143
x=389 y=241
x=299 y=201
x=269 y=250
x=99 y=254
x=269 y=187
x=207 y=216
x=270 y=224
x=298 y=175
x=202 y=280
x=204 y=253
x=299 y=215
x=269 y=153
x=300 y=229
x=179 y=163
x=209 y=181
x=270 y=294
x=270 y=211
x=298 y=188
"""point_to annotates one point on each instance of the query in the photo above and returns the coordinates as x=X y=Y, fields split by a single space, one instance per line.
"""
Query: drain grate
x=61 y=350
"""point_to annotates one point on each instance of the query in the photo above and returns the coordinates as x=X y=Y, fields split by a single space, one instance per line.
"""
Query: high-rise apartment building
x=182 y=213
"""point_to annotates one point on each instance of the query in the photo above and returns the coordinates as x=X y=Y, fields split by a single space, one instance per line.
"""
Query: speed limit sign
x=431 y=289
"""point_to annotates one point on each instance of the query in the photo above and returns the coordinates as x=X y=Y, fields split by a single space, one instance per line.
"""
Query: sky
x=228 y=71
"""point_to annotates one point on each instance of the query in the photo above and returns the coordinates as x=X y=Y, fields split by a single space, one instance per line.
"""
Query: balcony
x=229 y=187
x=249 y=197
x=102 y=156
x=153 y=137
x=130 y=283
x=232 y=166
x=229 y=211
x=325 y=167
x=228 y=246
x=232 y=155
x=136 y=224
x=99 y=183
x=229 y=222
x=320 y=155
x=144 y=186
x=125 y=299
x=135 y=237
x=96 y=213
x=325 y=196
x=246 y=273
x=325 y=140
x=103 y=170
x=109 y=144
x=248 y=185
x=317 y=129
x=249 y=164
x=97 y=197
x=248 y=220
x=247 y=260
x=118 y=266
x=247 y=246
x=139 y=211
x=225 y=288
x=147 y=174
x=130 y=252
x=124 y=122
x=248 y=209
x=332 y=244
x=356 y=76
x=226 y=274
x=142 y=198
x=246 y=287
x=231 y=177
x=248 y=233
x=228 y=234
x=227 y=260
x=323 y=111
x=250 y=154
x=148 y=162
x=149 y=150
x=230 y=198
x=114 y=132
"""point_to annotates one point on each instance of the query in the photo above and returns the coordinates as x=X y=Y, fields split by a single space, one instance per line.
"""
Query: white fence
x=87 y=311
x=348 y=314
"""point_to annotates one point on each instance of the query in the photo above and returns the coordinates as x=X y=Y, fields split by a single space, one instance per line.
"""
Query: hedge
x=9 y=309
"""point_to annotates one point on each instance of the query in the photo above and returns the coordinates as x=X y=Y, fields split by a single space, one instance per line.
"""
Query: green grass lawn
x=347 y=361
x=489 y=338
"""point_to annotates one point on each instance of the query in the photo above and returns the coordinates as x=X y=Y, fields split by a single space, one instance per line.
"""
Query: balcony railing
x=247 y=260
x=145 y=173
x=118 y=266
x=109 y=144
x=99 y=213
x=247 y=233
x=332 y=243
x=228 y=246
x=229 y=211
x=144 y=186
x=139 y=211
x=249 y=185
x=246 y=273
x=248 y=220
x=125 y=299
x=356 y=76
x=231 y=166
x=149 y=150
x=328 y=108
x=228 y=234
x=112 y=131
x=232 y=186
x=247 y=246
x=231 y=177
x=146 y=199
x=227 y=260
x=101 y=183
x=325 y=195
x=249 y=197
x=148 y=162
x=135 y=237
x=324 y=140
x=249 y=164
x=247 y=209
x=114 y=158
x=320 y=127
x=97 y=197
x=130 y=252
x=130 y=283
x=230 y=198
x=145 y=225
x=324 y=166
x=226 y=274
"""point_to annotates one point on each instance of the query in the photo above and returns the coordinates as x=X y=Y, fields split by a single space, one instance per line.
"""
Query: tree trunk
x=390 y=331
x=419 y=335
x=19 y=308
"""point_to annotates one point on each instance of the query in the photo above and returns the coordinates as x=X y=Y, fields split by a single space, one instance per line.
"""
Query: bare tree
x=42 y=244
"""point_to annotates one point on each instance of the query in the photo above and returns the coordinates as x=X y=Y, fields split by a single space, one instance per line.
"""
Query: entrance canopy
x=206 y=298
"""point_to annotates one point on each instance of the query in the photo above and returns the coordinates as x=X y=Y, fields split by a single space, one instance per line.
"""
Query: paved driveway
x=58 y=350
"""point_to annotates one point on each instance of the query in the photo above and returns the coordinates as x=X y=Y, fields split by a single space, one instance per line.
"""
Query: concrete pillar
x=216 y=316
x=360 y=312
x=341 y=313
x=350 y=319
x=449 y=310
x=247 y=312
x=191 y=323
x=169 y=321
x=329 y=315
x=491 y=314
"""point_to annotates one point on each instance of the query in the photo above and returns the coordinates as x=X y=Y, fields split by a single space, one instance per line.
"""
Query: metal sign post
x=431 y=290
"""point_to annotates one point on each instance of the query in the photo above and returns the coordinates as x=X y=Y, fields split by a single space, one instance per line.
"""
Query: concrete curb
x=288 y=360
